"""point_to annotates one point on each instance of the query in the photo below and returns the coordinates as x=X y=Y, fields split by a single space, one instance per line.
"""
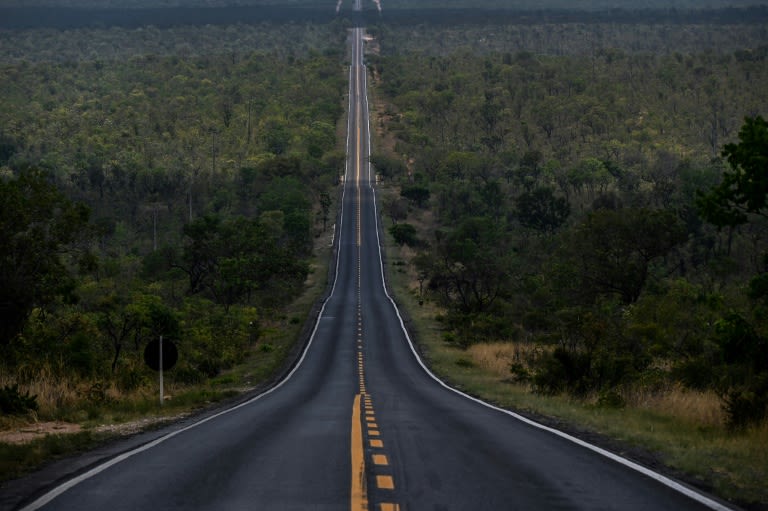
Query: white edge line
x=666 y=481
x=71 y=483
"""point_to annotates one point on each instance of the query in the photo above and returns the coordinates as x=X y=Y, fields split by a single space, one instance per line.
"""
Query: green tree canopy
x=470 y=267
x=745 y=186
x=233 y=260
x=37 y=226
x=612 y=250
x=541 y=210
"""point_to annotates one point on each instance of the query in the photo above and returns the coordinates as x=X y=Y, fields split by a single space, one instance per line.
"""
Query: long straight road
x=360 y=424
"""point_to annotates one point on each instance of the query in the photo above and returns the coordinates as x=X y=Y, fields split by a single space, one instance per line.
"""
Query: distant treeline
x=463 y=16
x=67 y=18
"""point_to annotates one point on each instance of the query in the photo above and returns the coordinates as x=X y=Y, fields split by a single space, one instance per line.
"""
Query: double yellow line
x=359 y=497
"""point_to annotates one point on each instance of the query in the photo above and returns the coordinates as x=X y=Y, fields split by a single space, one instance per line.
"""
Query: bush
x=404 y=234
x=465 y=363
x=13 y=402
x=696 y=373
x=520 y=373
x=210 y=367
x=747 y=405
x=563 y=370
x=579 y=372
x=611 y=399
x=187 y=375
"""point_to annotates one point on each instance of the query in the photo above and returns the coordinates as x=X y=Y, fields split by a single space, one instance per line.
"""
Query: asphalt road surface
x=360 y=424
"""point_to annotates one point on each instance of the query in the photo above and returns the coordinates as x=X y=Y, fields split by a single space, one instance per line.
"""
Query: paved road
x=360 y=424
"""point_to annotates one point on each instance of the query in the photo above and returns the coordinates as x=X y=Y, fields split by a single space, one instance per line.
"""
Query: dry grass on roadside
x=53 y=392
x=696 y=407
x=498 y=357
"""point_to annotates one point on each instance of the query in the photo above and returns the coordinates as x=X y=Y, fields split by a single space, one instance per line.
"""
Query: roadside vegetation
x=185 y=193
x=582 y=236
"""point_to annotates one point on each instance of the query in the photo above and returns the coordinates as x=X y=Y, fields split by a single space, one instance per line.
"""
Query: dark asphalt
x=425 y=447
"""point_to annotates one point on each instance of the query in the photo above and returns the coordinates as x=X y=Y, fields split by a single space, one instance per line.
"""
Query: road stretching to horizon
x=360 y=424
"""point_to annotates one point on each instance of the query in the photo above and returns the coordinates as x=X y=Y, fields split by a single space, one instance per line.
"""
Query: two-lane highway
x=360 y=423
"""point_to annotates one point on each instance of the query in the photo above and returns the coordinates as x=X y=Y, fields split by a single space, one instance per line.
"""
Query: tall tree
x=744 y=188
x=470 y=267
x=37 y=226
x=612 y=250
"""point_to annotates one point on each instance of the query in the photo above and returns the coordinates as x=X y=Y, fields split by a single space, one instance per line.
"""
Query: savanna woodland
x=576 y=205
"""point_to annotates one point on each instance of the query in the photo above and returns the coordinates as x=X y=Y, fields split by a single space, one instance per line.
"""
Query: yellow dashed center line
x=385 y=482
x=380 y=459
x=358 y=497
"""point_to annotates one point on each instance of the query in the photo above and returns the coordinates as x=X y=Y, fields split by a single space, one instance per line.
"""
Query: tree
x=743 y=191
x=540 y=210
x=290 y=195
x=325 y=206
x=470 y=267
x=743 y=371
x=418 y=194
x=276 y=135
x=404 y=234
x=233 y=260
x=612 y=250
x=396 y=209
x=744 y=187
x=118 y=322
x=386 y=167
x=37 y=228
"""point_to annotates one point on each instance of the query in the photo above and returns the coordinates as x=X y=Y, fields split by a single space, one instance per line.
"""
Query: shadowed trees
x=38 y=226
x=239 y=259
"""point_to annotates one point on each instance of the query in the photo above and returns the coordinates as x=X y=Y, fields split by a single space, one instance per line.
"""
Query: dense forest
x=157 y=194
x=573 y=203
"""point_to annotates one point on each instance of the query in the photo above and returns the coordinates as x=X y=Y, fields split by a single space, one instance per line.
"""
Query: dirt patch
x=137 y=426
x=30 y=432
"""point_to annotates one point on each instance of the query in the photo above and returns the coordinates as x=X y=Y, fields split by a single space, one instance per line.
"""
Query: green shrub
x=13 y=402
x=463 y=362
x=187 y=375
x=520 y=373
x=695 y=373
x=611 y=399
x=404 y=234
x=746 y=405
x=563 y=370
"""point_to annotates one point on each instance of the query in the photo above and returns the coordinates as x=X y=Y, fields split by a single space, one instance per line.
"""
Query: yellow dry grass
x=696 y=407
x=52 y=390
x=497 y=357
